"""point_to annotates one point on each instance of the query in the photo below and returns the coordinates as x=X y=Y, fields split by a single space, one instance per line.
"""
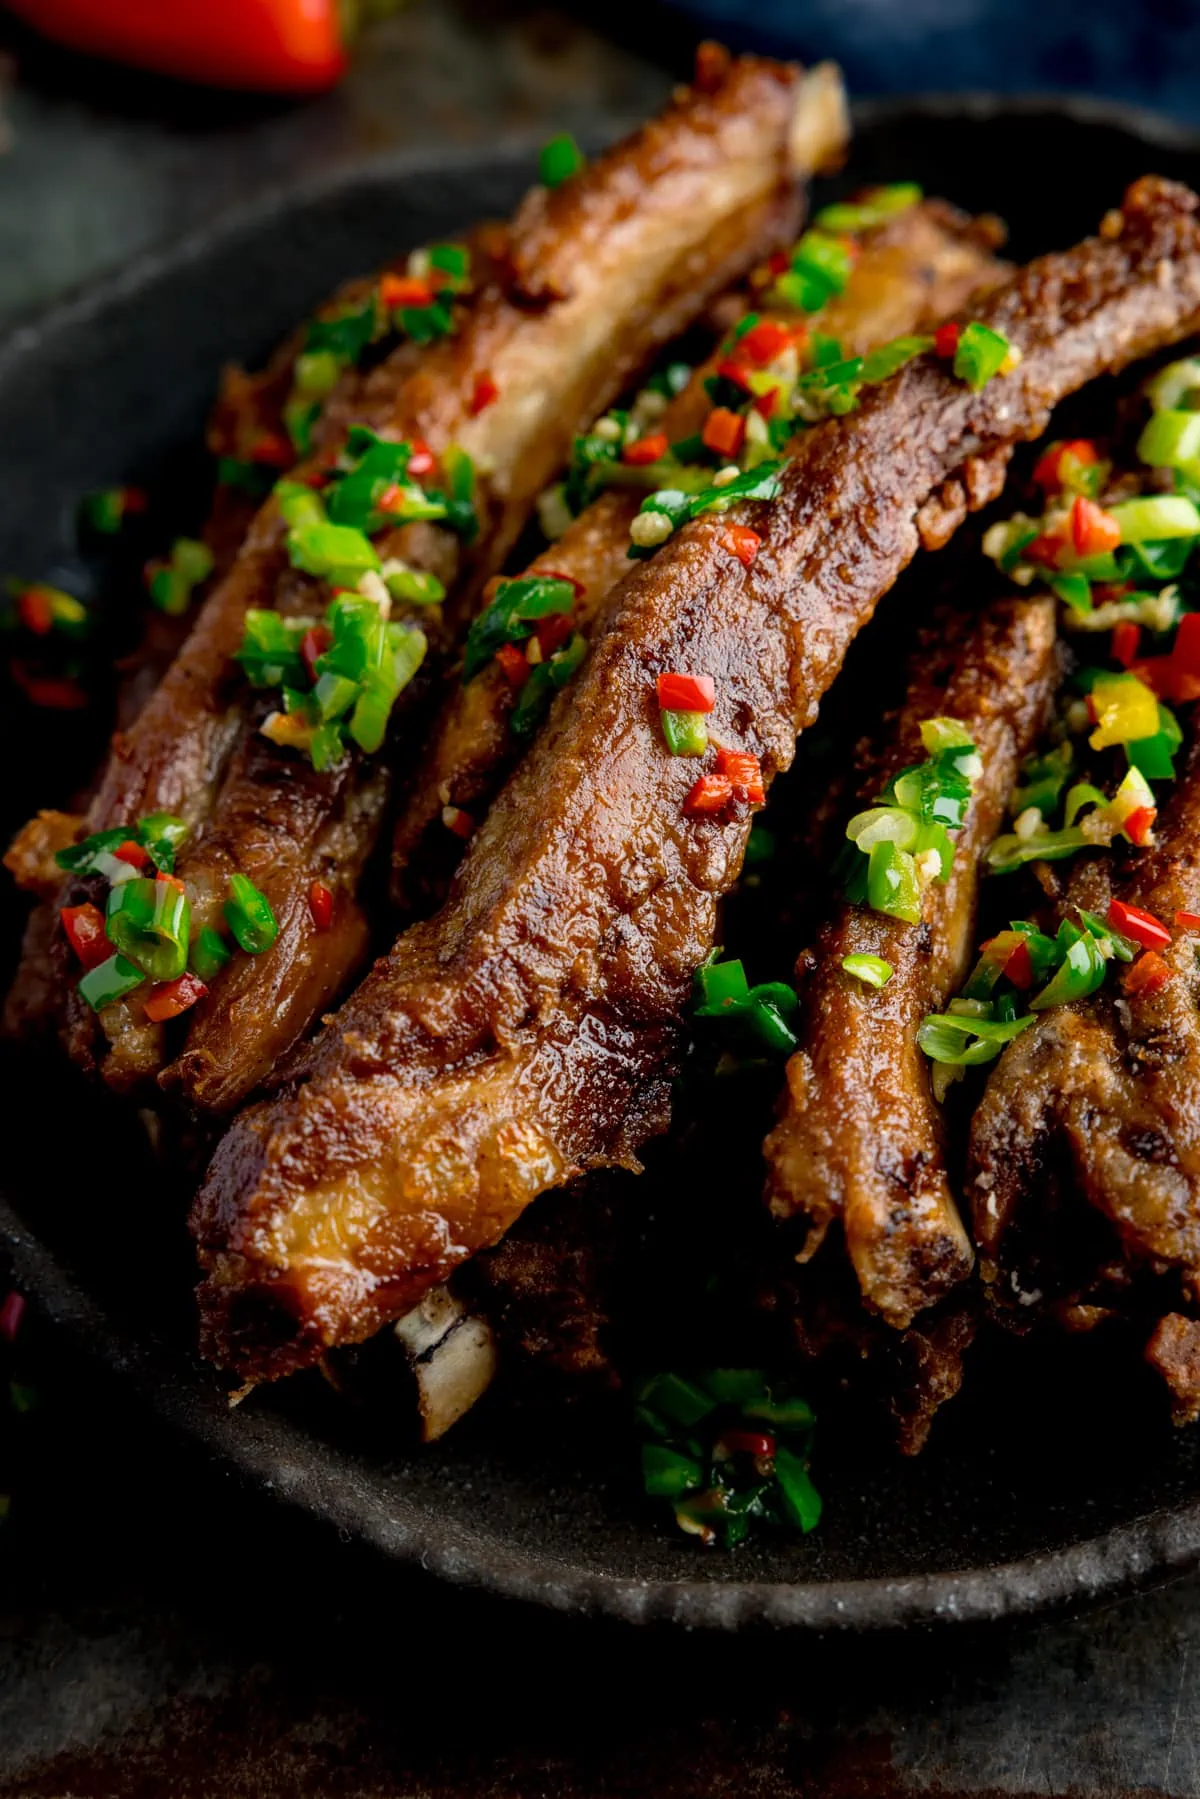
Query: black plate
x=1041 y=1487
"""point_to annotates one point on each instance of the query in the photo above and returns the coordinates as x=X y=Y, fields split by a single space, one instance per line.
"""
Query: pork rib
x=860 y=1135
x=912 y=272
x=530 y=1030
x=598 y=274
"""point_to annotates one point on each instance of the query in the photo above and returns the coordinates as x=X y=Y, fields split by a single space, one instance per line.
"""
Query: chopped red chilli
x=686 y=693
x=724 y=431
x=645 y=450
x=1187 y=921
x=711 y=793
x=134 y=853
x=741 y=542
x=1147 y=974
x=84 y=926
x=320 y=904
x=1139 y=926
x=743 y=770
x=1126 y=639
x=169 y=998
x=945 y=341
x=485 y=392
x=404 y=290
x=1094 y=532
x=458 y=821
x=514 y=664
x=11 y=1313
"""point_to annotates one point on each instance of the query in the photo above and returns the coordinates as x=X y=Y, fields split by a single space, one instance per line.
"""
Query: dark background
x=164 y=1632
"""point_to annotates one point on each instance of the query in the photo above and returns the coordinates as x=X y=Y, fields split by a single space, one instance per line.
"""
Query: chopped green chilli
x=560 y=159
x=759 y=1015
x=981 y=353
x=173 y=582
x=729 y=1452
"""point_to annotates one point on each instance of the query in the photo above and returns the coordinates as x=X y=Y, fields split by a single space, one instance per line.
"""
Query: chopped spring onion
x=512 y=617
x=249 y=916
x=873 y=971
x=111 y=981
x=339 y=554
x=172 y=582
x=872 y=208
x=209 y=954
x=967 y=1042
x=1156 y=518
x=147 y=922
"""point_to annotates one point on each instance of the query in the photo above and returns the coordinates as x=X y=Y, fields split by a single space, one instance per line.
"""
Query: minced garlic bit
x=554 y=515
x=725 y=475
x=1028 y=823
x=608 y=428
x=649 y=529
x=371 y=586
x=1157 y=611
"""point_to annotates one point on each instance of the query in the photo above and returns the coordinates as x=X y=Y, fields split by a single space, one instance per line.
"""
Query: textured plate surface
x=1044 y=1486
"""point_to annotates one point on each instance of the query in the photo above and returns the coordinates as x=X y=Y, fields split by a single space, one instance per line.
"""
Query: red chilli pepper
x=172 y=881
x=945 y=341
x=272 y=450
x=741 y=542
x=35 y=610
x=485 y=392
x=1140 y=927
x=1045 y=549
x=1048 y=469
x=724 y=431
x=267 y=46
x=11 y=1314
x=765 y=341
x=169 y=998
x=57 y=693
x=735 y=372
x=320 y=904
x=552 y=632
x=135 y=854
x=84 y=926
x=645 y=450
x=1093 y=531
x=404 y=290
x=748 y=1442
x=1126 y=639
x=1019 y=968
x=313 y=644
x=1147 y=974
x=458 y=821
x=513 y=664
x=421 y=459
x=711 y=793
x=686 y=693
x=1140 y=824
x=743 y=770
x=765 y=404
x=1187 y=921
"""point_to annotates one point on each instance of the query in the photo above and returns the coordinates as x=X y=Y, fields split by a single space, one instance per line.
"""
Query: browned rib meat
x=1173 y=1351
x=912 y=273
x=600 y=274
x=1105 y=1095
x=530 y=1031
x=860 y=1135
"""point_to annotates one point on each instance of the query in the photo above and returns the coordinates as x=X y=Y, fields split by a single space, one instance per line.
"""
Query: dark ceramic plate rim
x=284 y=1459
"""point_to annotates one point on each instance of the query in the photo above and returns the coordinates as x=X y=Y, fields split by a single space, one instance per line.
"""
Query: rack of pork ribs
x=380 y=1131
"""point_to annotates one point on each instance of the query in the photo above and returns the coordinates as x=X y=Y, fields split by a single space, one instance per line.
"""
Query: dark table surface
x=162 y=1631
